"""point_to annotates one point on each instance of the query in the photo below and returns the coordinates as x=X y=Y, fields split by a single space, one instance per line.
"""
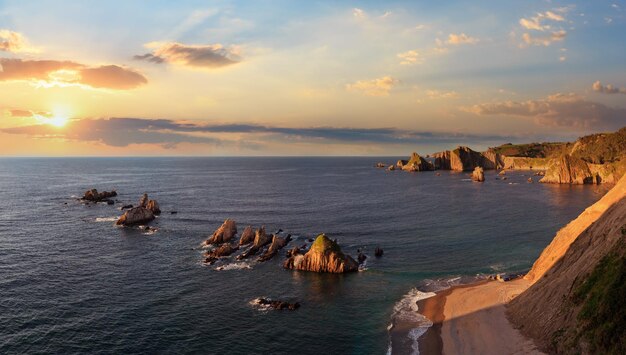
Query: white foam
x=106 y=219
x=234 y=266
x=405 y=311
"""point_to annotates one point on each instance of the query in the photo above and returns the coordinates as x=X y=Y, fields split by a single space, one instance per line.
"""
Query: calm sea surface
x=71 y=282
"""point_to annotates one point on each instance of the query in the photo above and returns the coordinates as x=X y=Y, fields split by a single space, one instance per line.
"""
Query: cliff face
x=324 y=256
x=568 y=170
x=576 y=301
x=465 y=159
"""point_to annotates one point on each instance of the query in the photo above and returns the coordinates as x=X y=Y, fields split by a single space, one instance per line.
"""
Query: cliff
x=324 y=256
x=465 y=159
x=577 y=299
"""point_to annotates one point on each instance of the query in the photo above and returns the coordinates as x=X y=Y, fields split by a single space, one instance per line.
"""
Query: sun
x=58 y=121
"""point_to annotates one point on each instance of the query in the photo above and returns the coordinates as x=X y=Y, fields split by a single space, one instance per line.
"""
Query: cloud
x=121 y=132
x=608 y=89
x=14 y=42
x=410 y=57
x=111 y=77
x=18 y=113
x=561 y=110
x=536 y=22
x=359 y=13
x=67 y=73
x=461 y=38
x=436 y=94
x=375 y=87
x=197 y=56
x=544 y=40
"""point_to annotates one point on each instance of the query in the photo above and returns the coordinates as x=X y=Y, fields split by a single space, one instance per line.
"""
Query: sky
x=228 y=78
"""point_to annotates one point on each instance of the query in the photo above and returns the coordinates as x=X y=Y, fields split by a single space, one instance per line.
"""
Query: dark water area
x=72 y=282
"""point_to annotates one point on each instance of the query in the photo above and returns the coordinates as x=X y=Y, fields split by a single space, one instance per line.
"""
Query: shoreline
x=471 y=318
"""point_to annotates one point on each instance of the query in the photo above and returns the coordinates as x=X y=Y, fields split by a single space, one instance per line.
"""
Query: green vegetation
x=595 y=148
x=602 y=318
x=533 y=150
x=601 y=148
x=323 y=244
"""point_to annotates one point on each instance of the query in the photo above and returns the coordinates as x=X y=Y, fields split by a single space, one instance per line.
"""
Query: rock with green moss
x=324 y=256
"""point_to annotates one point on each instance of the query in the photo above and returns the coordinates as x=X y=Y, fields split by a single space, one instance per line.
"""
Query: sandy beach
x=470 y=319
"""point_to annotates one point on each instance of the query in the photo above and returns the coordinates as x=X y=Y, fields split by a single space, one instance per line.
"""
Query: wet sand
x=470 y=319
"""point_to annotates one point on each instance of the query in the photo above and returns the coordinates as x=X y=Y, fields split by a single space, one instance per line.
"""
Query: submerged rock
x=324 y=256
x=378 y=252
x=247 y=236
x=94 y=196
x=380 y=165
x=277 y=304
x=478 y=174
x=224 y=233
x=135 y=215
x=391 y=168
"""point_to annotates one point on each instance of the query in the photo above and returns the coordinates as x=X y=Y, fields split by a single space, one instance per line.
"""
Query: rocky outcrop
x=221 y=251
x=575 y=303
x=417 y=163
x=324 y=256
x=135 y=215
x=260 y=240
x=478 y=174
x=391 y=168
x=152 y=205
x=224 y=233
x=94 y=196
x=492 y=159
x=380 y=165
x=378 y=252
x=247 y=236
x=568 y=170
x=277 y=244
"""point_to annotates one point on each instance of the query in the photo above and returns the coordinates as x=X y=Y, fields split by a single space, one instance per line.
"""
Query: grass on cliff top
x=602 y=318
x=602 y=147
x=532 y=150
x=322 y=244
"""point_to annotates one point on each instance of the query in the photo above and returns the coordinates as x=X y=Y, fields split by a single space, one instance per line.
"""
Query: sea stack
x=324 y=256
x=478 y=174
x=135 y=215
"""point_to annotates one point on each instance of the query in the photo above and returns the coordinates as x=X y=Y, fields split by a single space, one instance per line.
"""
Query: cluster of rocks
x=258 y=240
x=94 y=196
x=324 y=255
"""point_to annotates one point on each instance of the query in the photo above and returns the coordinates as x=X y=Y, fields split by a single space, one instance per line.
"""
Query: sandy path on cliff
x=475 y=322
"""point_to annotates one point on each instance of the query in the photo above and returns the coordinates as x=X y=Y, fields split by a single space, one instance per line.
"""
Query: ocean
x=72 y=282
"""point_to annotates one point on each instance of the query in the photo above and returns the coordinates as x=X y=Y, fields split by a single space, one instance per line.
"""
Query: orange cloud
x=565 y=110
x=53 y=72
x=375 y=87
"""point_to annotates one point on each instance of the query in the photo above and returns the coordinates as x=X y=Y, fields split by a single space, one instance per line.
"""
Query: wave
x=106 y=219
x=405 y=316
x=235 y=266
